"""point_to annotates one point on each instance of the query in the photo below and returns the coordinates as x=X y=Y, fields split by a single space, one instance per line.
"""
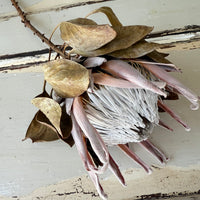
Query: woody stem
x=37 y=32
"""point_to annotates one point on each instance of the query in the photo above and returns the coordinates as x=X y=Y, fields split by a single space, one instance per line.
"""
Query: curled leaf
x=110 y=15
x=82 y=21
x=126 y=36
x=68 y=78
x=135 y=51
x=51 y=110
x=41 y=129
x=86 y=37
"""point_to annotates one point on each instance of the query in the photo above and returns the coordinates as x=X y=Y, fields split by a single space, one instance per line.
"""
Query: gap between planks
x=186 y=38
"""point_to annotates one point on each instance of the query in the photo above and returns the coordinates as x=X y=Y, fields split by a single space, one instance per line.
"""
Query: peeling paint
x=187 y=38
x=170 y=182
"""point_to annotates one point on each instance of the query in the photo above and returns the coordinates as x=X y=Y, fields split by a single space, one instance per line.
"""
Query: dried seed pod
x=68 y=78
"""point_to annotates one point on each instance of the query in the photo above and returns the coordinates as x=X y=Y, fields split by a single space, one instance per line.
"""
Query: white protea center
x=122 y=115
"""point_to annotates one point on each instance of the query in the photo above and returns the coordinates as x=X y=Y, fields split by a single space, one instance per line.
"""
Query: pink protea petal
x=95 y=179
x=169 y=67
x=68 y=105
x=115 y=170
x=154 y=150
x=123 y=70
x=80 y=145
x=88 y=163
x=135 y=158
x=105 y=79
x=94 y=62
x=161 y=123
x=163 y=75
x=91 y=133
x=172 y=114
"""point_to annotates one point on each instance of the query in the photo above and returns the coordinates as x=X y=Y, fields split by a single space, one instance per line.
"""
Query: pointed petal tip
x=194 y=106
x=150 y=171
x=188 y=129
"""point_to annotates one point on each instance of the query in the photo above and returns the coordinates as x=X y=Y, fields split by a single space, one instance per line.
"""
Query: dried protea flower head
x=109 y=92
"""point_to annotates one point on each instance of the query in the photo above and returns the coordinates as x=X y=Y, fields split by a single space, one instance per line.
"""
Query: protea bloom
x=108 y=93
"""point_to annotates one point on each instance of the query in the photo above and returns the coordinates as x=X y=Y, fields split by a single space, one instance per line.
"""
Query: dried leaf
x=68 y=78
x=135 y=51
x=43 y=94
x=41 y=129
x=126 y=36
x=69 y=140
x=65 y=124
x=82 y=21
x=110 y=15
x=160 y=58
x=86 y=37
x=51 y=109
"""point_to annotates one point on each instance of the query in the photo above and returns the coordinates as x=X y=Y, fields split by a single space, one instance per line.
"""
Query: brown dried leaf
x=159 y=57
x=68 y=78
x=65 y=124
x=110 y=15
x=86 y=37
x=135 y=51
x=66 y=127
x=69 y=140
x=43 y=94
x=41 y=129
x=51 y=110
x=82 y=21
x=126 y=36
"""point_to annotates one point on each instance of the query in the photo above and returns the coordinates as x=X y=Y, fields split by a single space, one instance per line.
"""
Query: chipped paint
x=170 y=182
x=177 y=39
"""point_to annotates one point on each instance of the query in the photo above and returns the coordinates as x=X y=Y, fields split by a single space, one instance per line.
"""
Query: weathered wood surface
x=186 y=38
x=26 y=166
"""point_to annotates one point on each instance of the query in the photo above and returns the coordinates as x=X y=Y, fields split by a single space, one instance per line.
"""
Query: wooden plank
x=47 y=6
x=186 y=38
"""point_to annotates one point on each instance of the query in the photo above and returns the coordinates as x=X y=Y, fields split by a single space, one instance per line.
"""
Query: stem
x=35 y=31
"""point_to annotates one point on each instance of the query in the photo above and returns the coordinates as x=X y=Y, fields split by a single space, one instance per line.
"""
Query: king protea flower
x=109 y=93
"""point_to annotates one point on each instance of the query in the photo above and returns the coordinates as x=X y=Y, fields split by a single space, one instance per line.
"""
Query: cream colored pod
x=67 y=78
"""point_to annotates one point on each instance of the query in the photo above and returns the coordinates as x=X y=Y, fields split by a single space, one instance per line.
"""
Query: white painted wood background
x=25 y=167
